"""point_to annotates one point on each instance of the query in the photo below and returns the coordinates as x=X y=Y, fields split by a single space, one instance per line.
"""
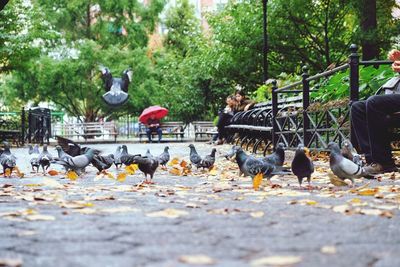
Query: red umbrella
x=157 y=111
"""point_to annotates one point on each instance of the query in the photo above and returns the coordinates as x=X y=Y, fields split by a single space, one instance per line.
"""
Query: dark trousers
x=154 y=130
x=223 y=120
x=370 y=123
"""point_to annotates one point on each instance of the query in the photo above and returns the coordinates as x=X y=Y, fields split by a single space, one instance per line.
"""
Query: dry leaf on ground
x=276 y=261
x=198 y=259
x=168 y=213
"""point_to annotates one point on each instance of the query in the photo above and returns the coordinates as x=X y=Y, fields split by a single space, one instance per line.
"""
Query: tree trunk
x=368 y=24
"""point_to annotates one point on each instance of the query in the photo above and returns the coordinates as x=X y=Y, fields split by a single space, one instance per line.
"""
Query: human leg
x=148 y=133
x=360 y=128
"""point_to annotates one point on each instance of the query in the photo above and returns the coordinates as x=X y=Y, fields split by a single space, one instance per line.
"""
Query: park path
x=203 y=218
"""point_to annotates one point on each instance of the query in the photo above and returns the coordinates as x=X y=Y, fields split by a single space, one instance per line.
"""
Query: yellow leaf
x=213 y=171
x=196 y=259
x=53 y=172
x=131 y=169
x=34 y=185
x=72 y=175
x=19 y=173
x=257 y=181
x=175 y=171
x=7 y=172
x=336 y=180
x=368 y=192
x=311 y=202
x=183 y=164
x=355 y=200
x=276 y=261
x=174 y=161
x=110 y=176
x=121 y=177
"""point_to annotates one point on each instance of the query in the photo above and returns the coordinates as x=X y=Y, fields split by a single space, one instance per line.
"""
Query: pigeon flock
x=345 y=163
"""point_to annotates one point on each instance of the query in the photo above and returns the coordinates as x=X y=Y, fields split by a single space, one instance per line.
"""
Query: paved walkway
x=203 y=218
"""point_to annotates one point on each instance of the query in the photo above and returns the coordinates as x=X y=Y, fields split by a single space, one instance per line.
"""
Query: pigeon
x=72 y=148
x=125 y=157
x=278 y=157
x=208 y=161
x=147 y=165
x=34 y=157
x=194 y=157
x=117 y=157
x=343 y=167
x=302 y=166
x=164 y=157
x=103 y=163
x=45 y=158
x=350 y=153
x=77 y=163
x=116 y=88
x=251 y=166
x=30 y=149
x=148 y=154
x=7 y=160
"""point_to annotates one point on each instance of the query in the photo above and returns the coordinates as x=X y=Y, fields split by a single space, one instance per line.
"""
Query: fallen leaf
x=121 y=177
x=257 y=214
x=197 y=259
x=257 y=181
x=7 y=172
x=328 y=250
x=213 y=171
x=110 y=176
x=368 y=192
x=72 y=175
x=40 y=217
x=8 y=262
x=121 y=209
x=131 y=169
x=276 y=261
x=336 y=180
x=175 y=171
x=53 y=172
x=173 y=161
x=168 y=213
x=183 y=164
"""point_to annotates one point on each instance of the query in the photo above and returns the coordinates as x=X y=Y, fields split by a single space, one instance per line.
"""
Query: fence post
x=306 y=103
x=23 y=126
x=274 y=112
x=354 y=85
x=29 y=126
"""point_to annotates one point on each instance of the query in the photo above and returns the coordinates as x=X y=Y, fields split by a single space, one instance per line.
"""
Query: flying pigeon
x=73 y=149
x=34 y=157
x=343 y=167
x=116 y=88
x=147 y=165
x=164 y=157
x=350 y=153
x=45 y=158
x=208 y=161
x=195 y=159
x=77 y=163
x=7 y=160
x=302 y=166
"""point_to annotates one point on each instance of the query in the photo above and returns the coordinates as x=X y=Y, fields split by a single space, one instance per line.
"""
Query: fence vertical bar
x=22 y=126
x=306 y=103
x=274 y=112
x=354 y=60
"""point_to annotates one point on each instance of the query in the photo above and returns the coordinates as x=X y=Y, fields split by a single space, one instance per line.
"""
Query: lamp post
x=265 y=47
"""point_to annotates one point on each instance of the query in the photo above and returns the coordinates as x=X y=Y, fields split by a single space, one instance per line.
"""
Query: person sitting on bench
x=369 y=121
x=153 y=126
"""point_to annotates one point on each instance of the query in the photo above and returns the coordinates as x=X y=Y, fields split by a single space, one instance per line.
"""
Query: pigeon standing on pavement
x=77 y=163
x=117 y=157
x=102 y=163
x=341 y=166
x=147 y=165
x=164 y=157
x=34 y=157
x=195 y=159
x=7 y=160
x=208 y=161
x=125 y=157
x=278 y=157
x=350 y=153
x=302 y=165
x=45 y=158
x=148 y=154
x=251 y=166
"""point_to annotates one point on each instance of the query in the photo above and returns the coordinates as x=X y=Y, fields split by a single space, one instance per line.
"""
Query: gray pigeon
x=7 y=160
x=343 y=167
x=164 y=157
x=62 y=156
x=102 y=162
x=78 y=163
x=208 y=161
x=302 y=166
x=73 y=149
x=195 y=159
x=30 y=149
x=251 y=166
x=116 y=88
x=34 y=157
x=147 y=165
x=278 y=157
x=125 y=157
x=45 y=158
x=350 y=153
x=117 y=157
x=148 y=154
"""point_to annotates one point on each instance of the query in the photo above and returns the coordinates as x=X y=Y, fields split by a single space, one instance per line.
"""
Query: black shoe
x=376 y=168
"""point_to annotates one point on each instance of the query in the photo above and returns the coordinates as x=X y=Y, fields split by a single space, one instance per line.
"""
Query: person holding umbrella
x=151 y=117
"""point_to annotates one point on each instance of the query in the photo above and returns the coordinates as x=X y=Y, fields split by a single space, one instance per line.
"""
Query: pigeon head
x=213 y=152
x=166 y=149
x=125 y=148
x=301 y=149
x=334 y=148
x=280 y=145
x=58 y=148
x=44 y=148
x=30 y=147
x=6 y=145
x=231 y=153
x=191 y=146
x=347 y=143
x=10 y=162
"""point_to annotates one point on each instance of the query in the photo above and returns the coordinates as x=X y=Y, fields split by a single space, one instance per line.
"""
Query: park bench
x=89 y=131
x=204 y=128
x=8 y=132
x=175 y=129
